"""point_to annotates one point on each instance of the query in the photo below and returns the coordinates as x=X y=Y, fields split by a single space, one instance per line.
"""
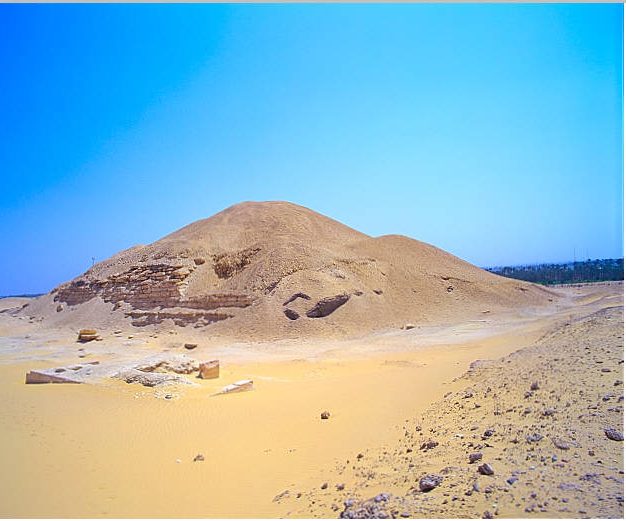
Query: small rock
x=291 y=314
x=281 y=496
x=475 y=456
x=560 y=444
x=613 y=434
x=59 y=308
x=199 y=457
x=512 y=480
x=535 y=437
x=486 y=469
x=87 y=335
x=487 y=515
x=429 y=482
x=325 y=415
x=189 y=345
x=340 y=486
x=534 y=386
x=324 y=486
x=427 y=445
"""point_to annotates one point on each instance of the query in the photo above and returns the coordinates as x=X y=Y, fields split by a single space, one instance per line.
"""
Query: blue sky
x=491 y=131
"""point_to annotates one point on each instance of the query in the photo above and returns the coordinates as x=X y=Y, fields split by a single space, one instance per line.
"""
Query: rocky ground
x=538 y=433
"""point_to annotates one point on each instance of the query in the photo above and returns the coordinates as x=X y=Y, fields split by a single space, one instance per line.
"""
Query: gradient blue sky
x=492 y=131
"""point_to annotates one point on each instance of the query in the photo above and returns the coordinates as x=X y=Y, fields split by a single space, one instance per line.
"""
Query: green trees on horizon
x=567 y=273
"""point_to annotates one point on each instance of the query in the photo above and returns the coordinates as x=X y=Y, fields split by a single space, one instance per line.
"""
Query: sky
x=494 y=132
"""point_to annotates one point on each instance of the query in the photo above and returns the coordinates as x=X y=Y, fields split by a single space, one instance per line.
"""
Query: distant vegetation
x=25 y=295
x=568 y=273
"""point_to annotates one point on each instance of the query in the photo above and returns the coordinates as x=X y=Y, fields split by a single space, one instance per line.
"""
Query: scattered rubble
x=132 y=376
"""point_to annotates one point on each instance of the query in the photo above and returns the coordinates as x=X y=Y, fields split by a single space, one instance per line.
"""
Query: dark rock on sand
x=486 y=469
x=613 y=434
x=475 y=456
x=430 y=481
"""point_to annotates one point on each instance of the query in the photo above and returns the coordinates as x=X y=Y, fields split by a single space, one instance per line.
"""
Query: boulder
x=209 y=370
x=87 y=335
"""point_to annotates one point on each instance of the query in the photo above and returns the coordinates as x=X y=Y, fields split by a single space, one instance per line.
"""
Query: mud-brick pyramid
x=276 y=269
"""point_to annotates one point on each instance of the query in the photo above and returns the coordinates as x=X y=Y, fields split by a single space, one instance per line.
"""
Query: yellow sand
x=116 y=450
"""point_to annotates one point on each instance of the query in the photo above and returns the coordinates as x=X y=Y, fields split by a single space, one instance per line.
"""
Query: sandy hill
x=275 y=270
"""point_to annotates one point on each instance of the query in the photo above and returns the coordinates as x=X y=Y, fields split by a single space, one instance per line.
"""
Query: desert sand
x=119 y=450
x=106 y=448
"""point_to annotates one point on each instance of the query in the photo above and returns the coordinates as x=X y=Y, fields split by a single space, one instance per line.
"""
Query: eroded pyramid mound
x=275 y=269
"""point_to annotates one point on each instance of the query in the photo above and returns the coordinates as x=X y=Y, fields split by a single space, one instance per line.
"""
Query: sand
x=119 y=450
x=538 y=416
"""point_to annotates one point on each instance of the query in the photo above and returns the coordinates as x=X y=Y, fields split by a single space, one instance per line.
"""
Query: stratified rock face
x=146 y=287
